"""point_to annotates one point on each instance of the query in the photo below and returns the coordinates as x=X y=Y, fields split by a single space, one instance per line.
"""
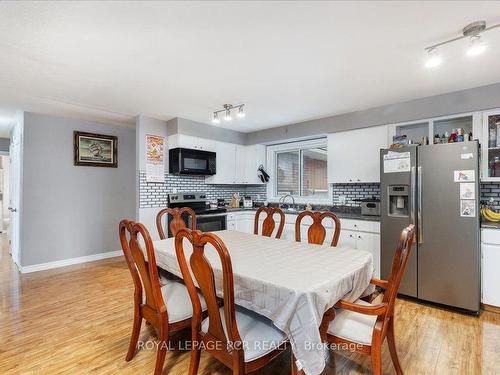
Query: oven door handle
x=211 y=215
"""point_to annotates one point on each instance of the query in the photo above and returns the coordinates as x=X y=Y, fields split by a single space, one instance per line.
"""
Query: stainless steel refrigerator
x=435 y=187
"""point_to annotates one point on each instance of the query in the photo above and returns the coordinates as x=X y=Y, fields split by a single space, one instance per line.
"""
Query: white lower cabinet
x=347 y=238
x=490 y=262
x=231 y=221
x=244 y=221
x=370 y=242
x=358 y=234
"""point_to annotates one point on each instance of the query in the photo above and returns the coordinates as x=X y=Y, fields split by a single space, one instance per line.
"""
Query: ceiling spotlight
x=241 y=112
x=226 y=112
x=227 y=116
x=433 y=58
x=472 y=31
x=476 y=46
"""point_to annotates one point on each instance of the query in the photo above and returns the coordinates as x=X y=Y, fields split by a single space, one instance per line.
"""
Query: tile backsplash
x=367 y=190
x=354 y=191
x=491 y=190
x=154 y=194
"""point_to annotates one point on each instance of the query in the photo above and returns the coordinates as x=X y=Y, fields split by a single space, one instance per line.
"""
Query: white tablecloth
x=291 y=283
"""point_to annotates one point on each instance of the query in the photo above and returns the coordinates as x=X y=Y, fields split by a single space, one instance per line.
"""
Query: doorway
x=4 y=193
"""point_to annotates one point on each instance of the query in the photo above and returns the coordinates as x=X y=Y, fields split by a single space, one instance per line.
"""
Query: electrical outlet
x=342 y=199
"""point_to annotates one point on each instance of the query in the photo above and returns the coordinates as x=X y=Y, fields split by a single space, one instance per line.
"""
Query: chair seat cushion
x=353 y=326
x=176 y=298
x=258 y=333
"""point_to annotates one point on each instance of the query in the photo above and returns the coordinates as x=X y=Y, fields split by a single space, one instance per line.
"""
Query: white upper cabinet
x=225 y=164
x=188 y=141
x=353 y=155
x=248 y=160
x=241 y=170
x=237 y=164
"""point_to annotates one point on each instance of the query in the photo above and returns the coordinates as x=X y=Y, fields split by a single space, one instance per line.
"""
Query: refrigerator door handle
x=413 y=199
x=413 y=195
x=420 y=228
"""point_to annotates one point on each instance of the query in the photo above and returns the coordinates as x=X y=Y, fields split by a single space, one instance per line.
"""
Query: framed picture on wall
x=95 y=150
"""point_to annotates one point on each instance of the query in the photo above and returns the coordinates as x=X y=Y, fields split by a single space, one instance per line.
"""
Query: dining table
x=291 y=283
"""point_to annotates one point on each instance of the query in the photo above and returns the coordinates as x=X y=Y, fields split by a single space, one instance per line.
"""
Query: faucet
x=281 y=202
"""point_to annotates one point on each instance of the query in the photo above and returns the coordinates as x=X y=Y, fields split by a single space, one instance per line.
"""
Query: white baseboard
x=69 y=262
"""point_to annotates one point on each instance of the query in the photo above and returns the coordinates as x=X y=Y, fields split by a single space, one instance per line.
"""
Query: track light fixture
x=476 y=46
x=241 y=112
x=227 y=112
x=433 y=58
x=472 y=31
x=216 y=119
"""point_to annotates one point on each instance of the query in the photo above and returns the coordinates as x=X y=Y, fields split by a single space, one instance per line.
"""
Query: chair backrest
x=177 y=222
x=269 y=224
x=316 y=233
x=399 y=263
x=144 y=273
x=204 y=274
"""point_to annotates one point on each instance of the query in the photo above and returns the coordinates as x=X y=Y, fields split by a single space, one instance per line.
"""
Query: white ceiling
x=288 y=61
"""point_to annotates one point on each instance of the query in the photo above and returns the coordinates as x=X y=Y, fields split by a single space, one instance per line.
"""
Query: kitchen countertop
x=490 y=224
x=341 y=214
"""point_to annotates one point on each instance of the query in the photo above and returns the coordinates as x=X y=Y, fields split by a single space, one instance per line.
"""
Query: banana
x=490 y=215
x=487 y=215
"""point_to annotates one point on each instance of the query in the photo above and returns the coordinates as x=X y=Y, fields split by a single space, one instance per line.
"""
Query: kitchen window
x=299 y=169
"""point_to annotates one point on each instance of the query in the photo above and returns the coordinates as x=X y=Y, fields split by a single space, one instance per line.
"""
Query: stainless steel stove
x=207 y=219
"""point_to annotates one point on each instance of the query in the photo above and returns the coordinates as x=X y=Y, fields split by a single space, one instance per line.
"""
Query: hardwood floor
x=78 y=320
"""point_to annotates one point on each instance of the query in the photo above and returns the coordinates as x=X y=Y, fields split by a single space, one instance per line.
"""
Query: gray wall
x=71 y=211
x=198 y=129
x=476 y=99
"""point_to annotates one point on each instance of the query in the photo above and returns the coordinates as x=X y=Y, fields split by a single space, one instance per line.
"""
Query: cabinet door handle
x=360 y=237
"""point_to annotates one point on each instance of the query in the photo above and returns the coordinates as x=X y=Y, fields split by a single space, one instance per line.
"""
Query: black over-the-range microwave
x=189 y=161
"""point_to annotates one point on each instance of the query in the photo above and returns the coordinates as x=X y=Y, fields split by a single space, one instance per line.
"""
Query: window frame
x=273 y=150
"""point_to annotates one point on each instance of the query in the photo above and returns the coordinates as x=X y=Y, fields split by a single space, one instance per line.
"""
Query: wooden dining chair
x=316 y=233
x=231 y=334
x=151 y=300
x=177 y=221
x=364 y=326
x=269 y=224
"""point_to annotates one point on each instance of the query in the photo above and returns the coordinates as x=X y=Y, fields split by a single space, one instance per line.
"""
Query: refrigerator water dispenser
x=398 y=200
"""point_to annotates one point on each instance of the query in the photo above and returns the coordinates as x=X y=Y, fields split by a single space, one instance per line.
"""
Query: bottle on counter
x=437 y=139
x=453 y=136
